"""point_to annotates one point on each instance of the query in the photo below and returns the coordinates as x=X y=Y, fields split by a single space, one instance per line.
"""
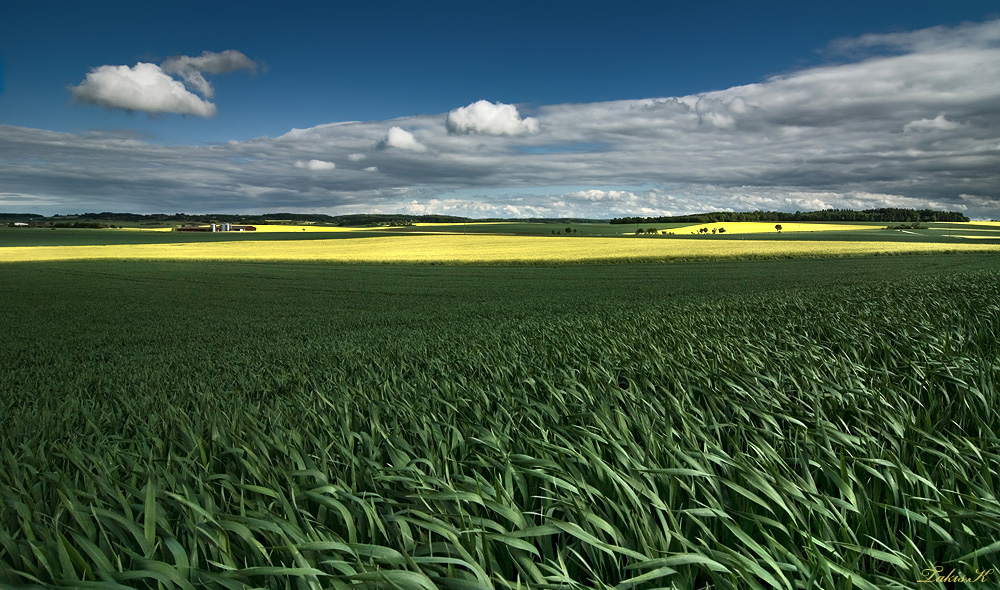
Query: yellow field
x=300 y=228
x=311 y=228
x=478 y=248
x=263 y=228
x=756 y=227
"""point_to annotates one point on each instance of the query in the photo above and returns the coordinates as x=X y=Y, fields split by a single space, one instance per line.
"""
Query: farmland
x=768 y=227
x=504 y=243
x=776 y=423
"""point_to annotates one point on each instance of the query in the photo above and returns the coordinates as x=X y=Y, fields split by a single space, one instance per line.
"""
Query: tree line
x=872 y=215
x=19 y=216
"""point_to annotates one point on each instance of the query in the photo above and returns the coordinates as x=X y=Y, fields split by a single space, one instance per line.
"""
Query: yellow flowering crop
x=281 y=228
x=479 y=248
x=300 y=228
x=756 y=227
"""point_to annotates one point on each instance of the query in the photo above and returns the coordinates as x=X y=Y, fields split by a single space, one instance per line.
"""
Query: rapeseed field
x=481 y=248
x=755 y=227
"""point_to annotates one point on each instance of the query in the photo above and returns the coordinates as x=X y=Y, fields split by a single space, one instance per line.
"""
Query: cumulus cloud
x=399 y=138
x=315 y=165
x=144 y=87
x=148 y=87
x=356 y=157
x=371 y=169
x=487 y=118
x=192 y=68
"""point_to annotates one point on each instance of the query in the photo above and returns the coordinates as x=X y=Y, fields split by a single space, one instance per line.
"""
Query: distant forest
x=872 y=215
x=19 y=216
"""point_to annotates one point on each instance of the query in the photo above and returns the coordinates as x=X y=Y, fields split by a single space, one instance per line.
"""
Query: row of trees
x=19 y=216
x=79 y=224
x=871 y=215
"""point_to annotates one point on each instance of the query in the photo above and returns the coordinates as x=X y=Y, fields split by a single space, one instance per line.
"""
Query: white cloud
x=371 y=169
x=399 y=138
x=940 y=38
x=356 y=157
x=148 y=87
x=191 y=68
x=143 y=87
x=939 y=122
x=486 y=118
x=315 y=165
x=466 y=207
x=598 y=195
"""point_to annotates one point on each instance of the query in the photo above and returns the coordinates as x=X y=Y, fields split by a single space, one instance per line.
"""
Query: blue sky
x=579 y=71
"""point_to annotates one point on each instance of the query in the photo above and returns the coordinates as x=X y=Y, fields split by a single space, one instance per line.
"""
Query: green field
x=756 y=424
x=13 y=237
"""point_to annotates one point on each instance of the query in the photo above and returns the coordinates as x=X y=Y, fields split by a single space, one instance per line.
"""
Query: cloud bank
x=911 y=120
x=149 y=88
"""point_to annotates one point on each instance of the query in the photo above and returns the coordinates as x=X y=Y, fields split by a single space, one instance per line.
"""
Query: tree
x=778 y=227
x=639 y=231
x=722 y=230
x=714 y=230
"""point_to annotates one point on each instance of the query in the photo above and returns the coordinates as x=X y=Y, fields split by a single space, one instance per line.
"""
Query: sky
x=514 y=109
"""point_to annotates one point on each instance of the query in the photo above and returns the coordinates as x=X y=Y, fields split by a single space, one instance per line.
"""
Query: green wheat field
x=800 y=424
